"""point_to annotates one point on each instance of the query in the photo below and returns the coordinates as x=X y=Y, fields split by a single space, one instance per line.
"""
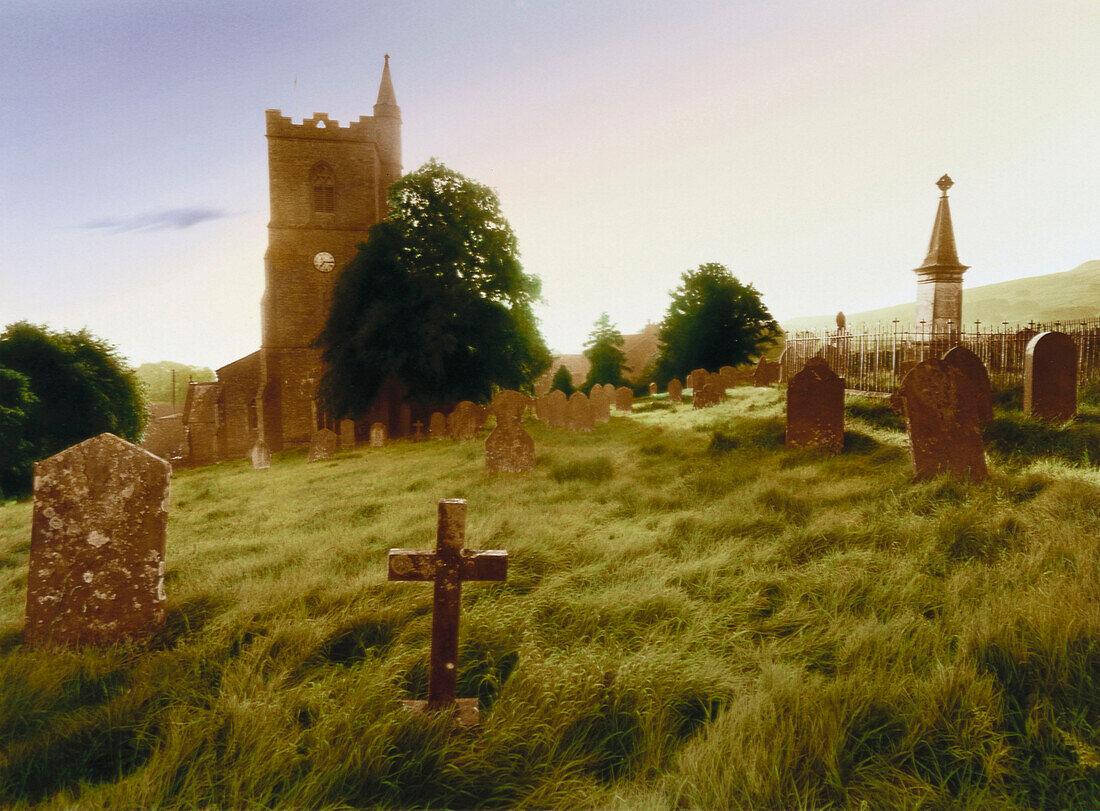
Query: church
x=328 y=187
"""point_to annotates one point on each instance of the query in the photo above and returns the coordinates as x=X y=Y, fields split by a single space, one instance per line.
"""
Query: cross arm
x=411 y=564
x=487 y=564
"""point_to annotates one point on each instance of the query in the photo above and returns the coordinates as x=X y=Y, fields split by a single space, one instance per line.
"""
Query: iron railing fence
x=874 y=358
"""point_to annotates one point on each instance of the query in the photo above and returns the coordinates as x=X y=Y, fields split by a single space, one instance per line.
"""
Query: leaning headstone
x=448 y=566
x=1050 y=377
x=556 y=408
x=652 y=389
x=601 y=405
x=944 y=431
x=624 y=399
x=509 y=448
x=437 y=426
x=464 y=421
x=322 y=444
x=698 y=379
x=971 y=365
x=675 y=391
x=579 y=413
x=815 y=408
x=260 y=455
x=766 y=373
x=729 y=376
x=347 y=434
x=378 y=435
x=97 y=545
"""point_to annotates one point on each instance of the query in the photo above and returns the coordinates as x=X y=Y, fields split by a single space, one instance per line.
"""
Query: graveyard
x=682 y=592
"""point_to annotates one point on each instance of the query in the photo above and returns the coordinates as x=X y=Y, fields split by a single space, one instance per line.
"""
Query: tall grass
x=694 y=617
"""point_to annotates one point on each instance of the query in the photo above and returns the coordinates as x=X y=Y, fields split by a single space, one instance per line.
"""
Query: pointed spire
x=941 y=247
x=385 y=89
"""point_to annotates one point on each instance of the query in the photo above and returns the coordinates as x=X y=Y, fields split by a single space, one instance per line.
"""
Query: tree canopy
x=713 y=321
x=563 y=382
x=604 y=350
x=57 y=389
x=436 y=299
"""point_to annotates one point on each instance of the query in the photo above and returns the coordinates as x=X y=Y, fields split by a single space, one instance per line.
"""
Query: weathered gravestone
x=652 y=389
x=347 y=434
x=260 y=455
x=322 y=444
x=971 y=365
x=766 y=373
x=540 y=407
x=378 y=435
x=509 y=448
x=1050 y=377
x=579 y=413
x=97 y=545
x=624 y=399
x=942 y=418
x=601 y=405
x=675 y=391
x=465 y=421
x=815 y=408
x=729 y=376
x=448 y=567
x=609 y=390
x=698 y=379
x=556 y=408
x=437 y=426
x=714 y=380
x=705 y=396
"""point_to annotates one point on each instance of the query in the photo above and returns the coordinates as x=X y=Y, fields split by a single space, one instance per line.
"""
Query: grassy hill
x=1068 y=296
x=694 y=617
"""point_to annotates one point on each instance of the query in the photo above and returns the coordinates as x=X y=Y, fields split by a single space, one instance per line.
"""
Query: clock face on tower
x=324 y=262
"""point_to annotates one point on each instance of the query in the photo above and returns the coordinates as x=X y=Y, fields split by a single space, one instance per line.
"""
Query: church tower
x=328 y=186
x=939 y=279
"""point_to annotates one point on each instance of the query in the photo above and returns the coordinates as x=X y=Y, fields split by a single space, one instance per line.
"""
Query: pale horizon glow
x=797 y=143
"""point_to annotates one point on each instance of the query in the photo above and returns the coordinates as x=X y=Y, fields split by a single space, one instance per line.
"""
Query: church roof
x=941 y=247
x=385 y=89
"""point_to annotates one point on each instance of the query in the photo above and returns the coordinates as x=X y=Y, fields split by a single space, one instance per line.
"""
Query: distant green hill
x=1068 y=296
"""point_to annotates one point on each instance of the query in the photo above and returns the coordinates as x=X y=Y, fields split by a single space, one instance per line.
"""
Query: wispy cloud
x=177 y=218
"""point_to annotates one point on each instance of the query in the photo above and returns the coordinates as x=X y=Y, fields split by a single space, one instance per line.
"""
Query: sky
x=797 y=143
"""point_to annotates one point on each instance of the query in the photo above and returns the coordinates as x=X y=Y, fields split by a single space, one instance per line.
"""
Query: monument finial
x=945 y=183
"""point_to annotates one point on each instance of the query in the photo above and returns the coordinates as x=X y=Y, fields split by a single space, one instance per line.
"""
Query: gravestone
x=556 y=408
x=729 y=376
x=260 y=455
x=815 y=408
x=698 y=379
x=675 y=391
x=509 y=448
x=579 y=413
x=971 y=365
x=378 y=435
x=714 y=380
x=624 y=399
x=322 y=444
x=609 y=390
x=766 y=373
x=942 y=419
x=448 y=566
x=652 y=389
x=601 y=405
x=347 y=434
x=465 y=421
x=437 y=426
x=1050 y=377
x=97 y=545
x=705 y=396
x=540 y=408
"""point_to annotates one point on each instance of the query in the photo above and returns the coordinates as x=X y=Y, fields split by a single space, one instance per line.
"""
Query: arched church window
x=324 y=189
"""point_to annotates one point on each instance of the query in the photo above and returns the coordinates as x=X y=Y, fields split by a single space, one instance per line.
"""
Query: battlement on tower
x=320 y=127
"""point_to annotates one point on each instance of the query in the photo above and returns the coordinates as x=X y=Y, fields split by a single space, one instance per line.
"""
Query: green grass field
x=694 y=617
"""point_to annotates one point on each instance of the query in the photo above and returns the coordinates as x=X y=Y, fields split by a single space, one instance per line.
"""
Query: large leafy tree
x=57 y=389
x=714 y=320
x=604 y=350
x=436 y=300
x=563 y=382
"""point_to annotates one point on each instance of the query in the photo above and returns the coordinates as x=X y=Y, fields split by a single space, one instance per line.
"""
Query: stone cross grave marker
x=322 y=444
x=675 y=391
x=418 y=430
x=624 y=399
x=97 y=545
x=464 y=421
x=347 y=434
x=815 y=408
x=437 y=426
x=1050 y=377
x=378 y=435
x=509 y=448
x=698 y=379
x=448 y=567
x=942 y=419
x=971 y=365
x=579 y=411
x=601 y=405
x=260 y=455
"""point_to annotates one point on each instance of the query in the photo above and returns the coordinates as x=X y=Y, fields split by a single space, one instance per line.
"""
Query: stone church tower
x=939 y=279
x=328 y=187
